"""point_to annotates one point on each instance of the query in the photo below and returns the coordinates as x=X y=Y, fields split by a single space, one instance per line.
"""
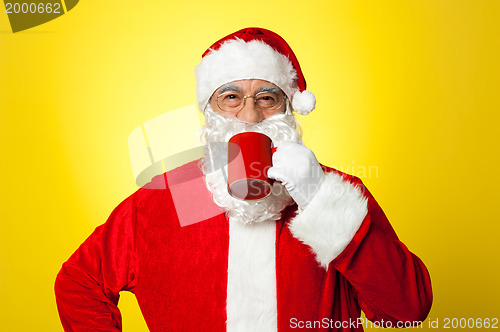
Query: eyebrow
x=271 y=89
x=232 y=87
x=229 y=87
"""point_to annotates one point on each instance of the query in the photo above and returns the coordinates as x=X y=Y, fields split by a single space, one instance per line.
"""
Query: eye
x=229 y=99
x=267 y=100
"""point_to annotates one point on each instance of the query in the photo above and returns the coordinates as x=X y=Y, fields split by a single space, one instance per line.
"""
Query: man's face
x=262 y=101
x=250 y=101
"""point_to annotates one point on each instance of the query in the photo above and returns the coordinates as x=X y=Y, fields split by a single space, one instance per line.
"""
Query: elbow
x=61 y=289
x=66 y=285
x=423 y=310
x=420 y=301
x=61 y=292
x=408 y=312
x=415 y=318
x=416 y=311
x=58 y=285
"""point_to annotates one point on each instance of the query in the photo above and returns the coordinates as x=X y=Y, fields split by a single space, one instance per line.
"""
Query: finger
x=277 y=174
x=284 y=145
x=281 y=158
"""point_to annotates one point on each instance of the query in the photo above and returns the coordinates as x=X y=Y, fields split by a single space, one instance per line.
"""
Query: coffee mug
x=249 y=158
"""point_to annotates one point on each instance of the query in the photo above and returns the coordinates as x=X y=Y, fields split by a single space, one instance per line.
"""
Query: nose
x=250 y=113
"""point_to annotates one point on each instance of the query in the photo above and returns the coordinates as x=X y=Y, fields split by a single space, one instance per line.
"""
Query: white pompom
x=303 y=102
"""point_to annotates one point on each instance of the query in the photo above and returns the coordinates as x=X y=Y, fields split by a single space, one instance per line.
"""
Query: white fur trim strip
x=237 y=60
x=251 y=280
x=328 y=223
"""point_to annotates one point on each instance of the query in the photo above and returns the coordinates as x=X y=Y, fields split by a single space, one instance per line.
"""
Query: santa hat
x=253 y=53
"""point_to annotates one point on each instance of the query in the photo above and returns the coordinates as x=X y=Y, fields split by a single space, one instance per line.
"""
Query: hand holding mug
x=298 y=169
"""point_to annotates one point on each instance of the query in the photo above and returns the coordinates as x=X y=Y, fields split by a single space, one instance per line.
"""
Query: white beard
x=215 y=134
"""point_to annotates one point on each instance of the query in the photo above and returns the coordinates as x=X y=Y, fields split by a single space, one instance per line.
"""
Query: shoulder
x=344 y=177
x=161 y=184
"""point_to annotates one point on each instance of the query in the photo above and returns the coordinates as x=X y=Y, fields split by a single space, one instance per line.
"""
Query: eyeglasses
x=234 y=101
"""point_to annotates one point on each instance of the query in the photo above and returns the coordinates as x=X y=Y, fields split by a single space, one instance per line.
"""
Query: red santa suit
x=315 y=268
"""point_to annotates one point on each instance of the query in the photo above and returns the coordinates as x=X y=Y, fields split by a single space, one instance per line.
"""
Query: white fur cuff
x=330 y=220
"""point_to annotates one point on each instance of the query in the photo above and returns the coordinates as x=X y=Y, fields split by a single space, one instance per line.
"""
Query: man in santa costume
x=312 y=254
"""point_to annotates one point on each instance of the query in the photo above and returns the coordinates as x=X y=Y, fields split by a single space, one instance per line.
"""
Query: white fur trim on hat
x=303 y=102
x=330 y=220
x=238 y=60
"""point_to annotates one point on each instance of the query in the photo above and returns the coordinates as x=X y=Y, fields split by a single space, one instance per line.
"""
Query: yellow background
x=408 y=88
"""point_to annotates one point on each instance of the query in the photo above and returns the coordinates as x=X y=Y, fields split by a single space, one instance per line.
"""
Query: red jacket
x=180 y=274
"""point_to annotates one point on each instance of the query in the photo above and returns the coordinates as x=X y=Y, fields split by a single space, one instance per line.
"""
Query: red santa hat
x=253 y=53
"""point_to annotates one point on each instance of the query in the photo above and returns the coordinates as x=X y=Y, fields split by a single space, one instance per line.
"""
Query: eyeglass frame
x=284 y=100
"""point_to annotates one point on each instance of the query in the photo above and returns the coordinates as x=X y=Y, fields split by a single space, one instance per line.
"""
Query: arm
x=348 y=231
x=88 y=285
x=398 y=286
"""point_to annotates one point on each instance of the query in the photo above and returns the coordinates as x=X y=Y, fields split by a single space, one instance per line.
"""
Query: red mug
x=249 y=158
